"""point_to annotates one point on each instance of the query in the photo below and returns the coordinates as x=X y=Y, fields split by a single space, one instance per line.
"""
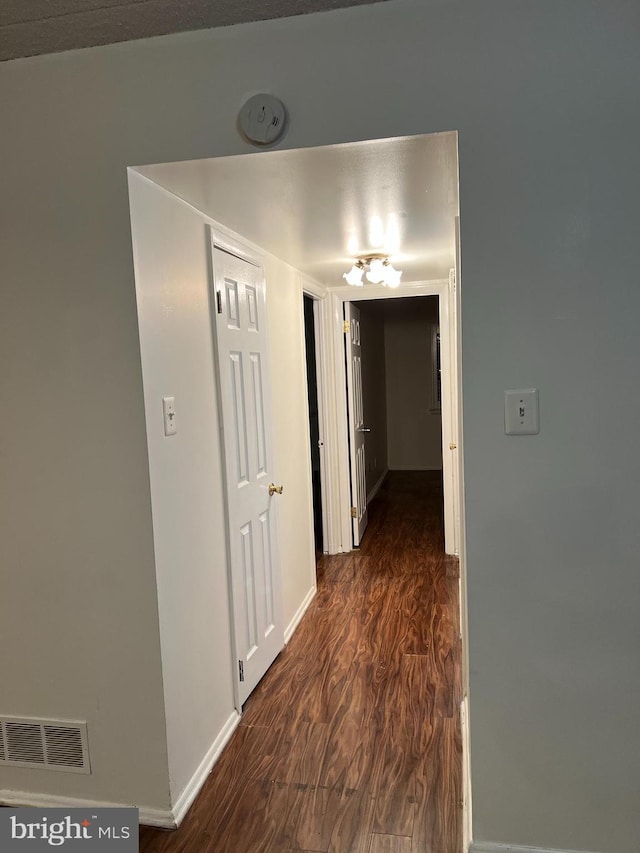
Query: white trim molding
x=297 y=618
x=347 y=293
x=157 y=818
x=194 y=785
x=312 y=287
x=338 y=457
x=163 y=818
x=467 y=816
x=489 y=847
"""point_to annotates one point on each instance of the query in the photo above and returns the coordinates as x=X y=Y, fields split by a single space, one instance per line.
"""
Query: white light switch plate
x=521 y=412
x=169 y=414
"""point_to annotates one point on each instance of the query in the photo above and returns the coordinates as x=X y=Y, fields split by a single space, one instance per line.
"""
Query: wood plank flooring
x=351 y=743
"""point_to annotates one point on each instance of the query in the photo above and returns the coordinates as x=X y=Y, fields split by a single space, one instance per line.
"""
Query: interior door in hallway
x=245 y=394
x=357 y=429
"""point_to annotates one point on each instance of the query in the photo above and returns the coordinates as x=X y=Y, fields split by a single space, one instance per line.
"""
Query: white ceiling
x=32 y=27
x=317 y=208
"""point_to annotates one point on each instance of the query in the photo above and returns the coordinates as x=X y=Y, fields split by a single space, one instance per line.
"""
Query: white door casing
x=245 y=397
x=454 y=445
x=320 y=315
x=449 y=430
x=357 y=429
x=339 y=521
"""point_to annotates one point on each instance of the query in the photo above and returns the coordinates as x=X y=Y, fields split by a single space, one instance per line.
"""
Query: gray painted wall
x=544 y=96
x=414 y=426
x=397 y=386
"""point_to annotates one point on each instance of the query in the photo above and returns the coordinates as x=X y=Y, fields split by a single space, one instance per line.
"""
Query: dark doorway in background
x=314 y=423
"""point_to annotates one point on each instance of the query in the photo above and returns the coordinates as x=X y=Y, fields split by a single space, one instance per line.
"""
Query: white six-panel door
x=357 y=429
x=245 y=393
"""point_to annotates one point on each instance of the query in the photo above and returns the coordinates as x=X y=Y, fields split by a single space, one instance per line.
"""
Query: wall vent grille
x=48 y=744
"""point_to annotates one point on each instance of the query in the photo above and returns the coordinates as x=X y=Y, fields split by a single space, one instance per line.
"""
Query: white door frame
x=320 y=302
x=339 y=503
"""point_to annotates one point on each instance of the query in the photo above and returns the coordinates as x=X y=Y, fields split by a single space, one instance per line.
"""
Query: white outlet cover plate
x=521 y=416
x=169 y=415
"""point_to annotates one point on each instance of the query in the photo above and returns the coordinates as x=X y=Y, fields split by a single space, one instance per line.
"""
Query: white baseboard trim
x=154 y=817
x=467 y=821
x=489 y=847
x=147 y=816
x=376 y=487
x=291 y=627
x=163 y=818
x=192 y=789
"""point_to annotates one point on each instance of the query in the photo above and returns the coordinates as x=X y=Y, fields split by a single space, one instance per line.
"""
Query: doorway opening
x=399 y=395
x=441 y=380
x=315 y=442
x=295 y=209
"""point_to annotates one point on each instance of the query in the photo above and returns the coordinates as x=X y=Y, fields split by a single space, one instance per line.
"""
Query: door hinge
x=241 y=669
x=354 y=512
x=346 y=327
x=219 y=301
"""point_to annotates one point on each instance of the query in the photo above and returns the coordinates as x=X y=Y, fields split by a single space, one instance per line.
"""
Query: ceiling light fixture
x=354 y=276
x=377 y=269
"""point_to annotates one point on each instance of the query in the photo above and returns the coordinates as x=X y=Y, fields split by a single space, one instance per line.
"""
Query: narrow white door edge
x=355 y=423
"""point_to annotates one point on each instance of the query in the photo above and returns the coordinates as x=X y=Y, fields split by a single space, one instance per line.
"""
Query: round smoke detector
x=263 y=119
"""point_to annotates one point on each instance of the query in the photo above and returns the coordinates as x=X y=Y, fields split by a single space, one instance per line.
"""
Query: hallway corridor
x=352 y=740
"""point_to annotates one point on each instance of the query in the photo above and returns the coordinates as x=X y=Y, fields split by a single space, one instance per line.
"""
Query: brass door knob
x=275 y=490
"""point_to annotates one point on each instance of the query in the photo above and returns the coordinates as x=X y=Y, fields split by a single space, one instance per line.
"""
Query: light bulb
x=392 y=276
x=354 y=276
x=376 y=271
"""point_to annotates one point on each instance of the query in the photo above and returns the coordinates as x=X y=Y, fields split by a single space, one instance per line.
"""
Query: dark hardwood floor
x=351 y=742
